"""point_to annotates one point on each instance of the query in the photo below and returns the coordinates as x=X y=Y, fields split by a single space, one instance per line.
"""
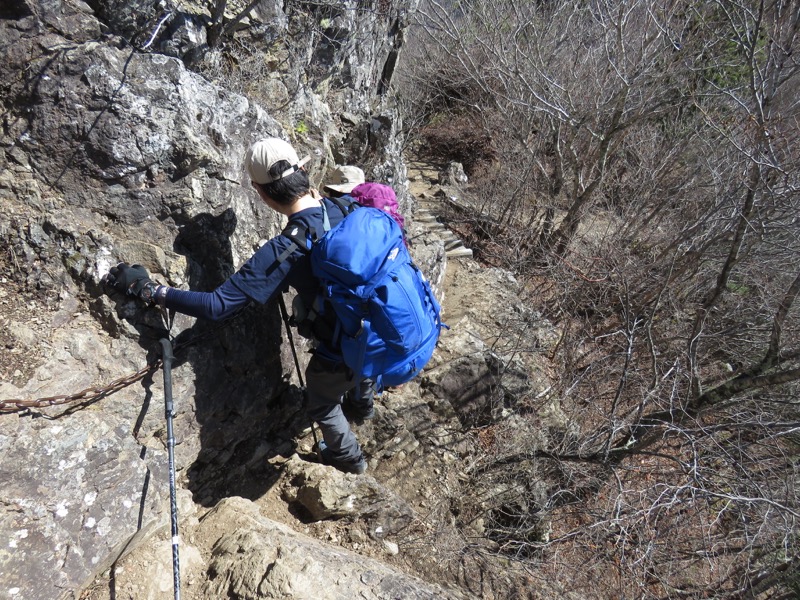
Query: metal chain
x=89 y=394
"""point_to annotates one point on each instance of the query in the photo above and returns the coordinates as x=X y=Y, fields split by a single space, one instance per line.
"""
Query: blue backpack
x=388 y=320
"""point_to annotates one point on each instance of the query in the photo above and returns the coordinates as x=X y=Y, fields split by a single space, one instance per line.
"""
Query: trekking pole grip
x=166 y=360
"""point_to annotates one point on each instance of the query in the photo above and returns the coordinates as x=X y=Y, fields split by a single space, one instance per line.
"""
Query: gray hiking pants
x=365 y=398
x=326 y=383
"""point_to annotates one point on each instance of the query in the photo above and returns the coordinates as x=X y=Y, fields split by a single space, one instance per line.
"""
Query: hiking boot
x=365 y=414
x=357 y=467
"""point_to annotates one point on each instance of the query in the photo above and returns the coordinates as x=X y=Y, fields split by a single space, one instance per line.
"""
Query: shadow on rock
x=240 y=411
x=244 y=410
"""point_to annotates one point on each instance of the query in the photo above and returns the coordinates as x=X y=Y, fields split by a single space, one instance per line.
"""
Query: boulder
x=453 y=175
x=259 y=558
x=326 y=493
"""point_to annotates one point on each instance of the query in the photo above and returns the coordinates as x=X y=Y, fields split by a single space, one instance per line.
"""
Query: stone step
x=425 y=218
x=426 y=215
x=429 y=201
x=461 y=252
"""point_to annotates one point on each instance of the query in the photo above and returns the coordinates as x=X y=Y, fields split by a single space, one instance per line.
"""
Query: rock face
x=234 y=551
x=255 y=557
x=115 y=151
x=280 y=564
x=77 y=489
x=110 y=153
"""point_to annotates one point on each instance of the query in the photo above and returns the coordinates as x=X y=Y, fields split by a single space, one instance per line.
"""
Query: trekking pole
x=166 y=359
x=285 y=317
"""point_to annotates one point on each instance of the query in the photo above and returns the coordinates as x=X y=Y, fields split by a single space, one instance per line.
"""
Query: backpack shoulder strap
x=299 y=234
x=346 y=204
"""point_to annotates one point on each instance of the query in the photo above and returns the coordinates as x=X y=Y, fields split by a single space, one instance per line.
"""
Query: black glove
x=133 y=280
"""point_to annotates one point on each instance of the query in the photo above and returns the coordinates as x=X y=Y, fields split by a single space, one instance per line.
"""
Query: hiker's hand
x=131 y=280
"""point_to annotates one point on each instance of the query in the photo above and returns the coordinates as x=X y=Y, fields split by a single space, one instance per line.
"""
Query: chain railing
x=89 y=394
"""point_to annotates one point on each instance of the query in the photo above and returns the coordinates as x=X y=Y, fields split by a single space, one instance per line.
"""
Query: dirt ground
x=24 y=326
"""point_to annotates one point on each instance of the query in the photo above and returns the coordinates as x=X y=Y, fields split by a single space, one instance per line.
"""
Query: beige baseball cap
x=265 y=153
x=344 y=179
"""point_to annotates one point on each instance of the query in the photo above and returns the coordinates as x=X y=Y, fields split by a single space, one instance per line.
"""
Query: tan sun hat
x=265 y=153
x=344 y=179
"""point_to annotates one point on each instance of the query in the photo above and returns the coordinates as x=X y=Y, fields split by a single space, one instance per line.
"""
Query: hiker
x=378 y=195
x=349 y=180
x=282 y=183
x=342 y=181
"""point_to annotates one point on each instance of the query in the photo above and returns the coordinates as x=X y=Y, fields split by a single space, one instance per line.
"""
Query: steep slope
x=113 y=153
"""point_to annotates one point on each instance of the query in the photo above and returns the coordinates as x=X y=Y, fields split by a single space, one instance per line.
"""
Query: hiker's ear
x=261 y=193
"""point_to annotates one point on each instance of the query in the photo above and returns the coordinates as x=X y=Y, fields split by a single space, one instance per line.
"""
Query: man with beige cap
x=278 y=176
x=357 y=407
x=342 y=180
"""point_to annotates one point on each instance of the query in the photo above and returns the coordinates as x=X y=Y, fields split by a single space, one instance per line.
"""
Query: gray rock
x=453 y=175
x=77 y=494
x=472 y=382
x=258 y=558
x=429 y=255
x=24 y=335
x=328 y=494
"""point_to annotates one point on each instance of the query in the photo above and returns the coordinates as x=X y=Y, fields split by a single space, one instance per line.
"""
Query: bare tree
x=220 y=26
x=652 y=151
x=564 y=83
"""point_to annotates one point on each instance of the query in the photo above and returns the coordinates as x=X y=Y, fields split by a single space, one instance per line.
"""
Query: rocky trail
x=423 y=185
x=313 y=520
x=266 y=520
x=116 y=154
